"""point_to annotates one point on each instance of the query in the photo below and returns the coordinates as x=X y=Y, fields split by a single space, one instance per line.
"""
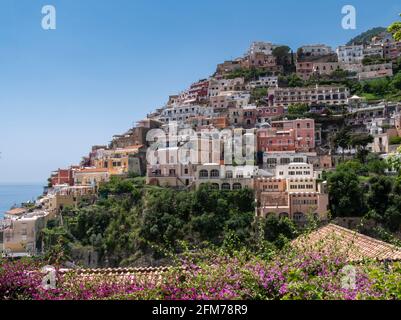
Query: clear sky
x=110 y=62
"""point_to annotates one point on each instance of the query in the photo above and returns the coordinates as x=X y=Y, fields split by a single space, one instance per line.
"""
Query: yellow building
x=22 y=235
x=116 y=161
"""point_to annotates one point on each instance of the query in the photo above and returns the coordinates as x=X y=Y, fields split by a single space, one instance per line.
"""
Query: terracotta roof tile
x=355 y=245
x=17 y=211
x=88 y=170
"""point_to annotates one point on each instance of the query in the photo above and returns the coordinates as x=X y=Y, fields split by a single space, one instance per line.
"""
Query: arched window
x=203 y=174
x=237 y=186
x=298 y=216
x=225 y=186
x=215 y=173
x=283 y=215
x=215 y=186
x=229 y=174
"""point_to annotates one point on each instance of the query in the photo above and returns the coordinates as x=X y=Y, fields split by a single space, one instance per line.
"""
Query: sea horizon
x=15 y=193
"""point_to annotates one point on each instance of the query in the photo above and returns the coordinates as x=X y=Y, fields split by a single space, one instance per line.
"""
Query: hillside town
x=266 y=121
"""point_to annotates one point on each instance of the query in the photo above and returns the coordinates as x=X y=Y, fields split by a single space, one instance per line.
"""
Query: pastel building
x=287 y=135
x=229 y=99
x=265 y=114
x=224 y=177
x=62 y=196
x=228 y=66
x=328 y=95
x=216 y=87
x=350 y=54
x=315 y=50
x=262 y=82
x=373 y=51
x=181 y=113
x=293 y=193
x=22 y=236
x=116 y=161
x=175 y=166
x=261 y=60
x=262 y=47
x=91 y=176
x=62 y=176
x=375 y=71
x=307 y=69
x=173 y=175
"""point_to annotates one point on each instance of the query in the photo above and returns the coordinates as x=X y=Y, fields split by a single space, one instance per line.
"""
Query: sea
x=15 y=194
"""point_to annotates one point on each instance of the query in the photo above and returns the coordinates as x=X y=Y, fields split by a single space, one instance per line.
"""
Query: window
x=203 y=174
x=271 y=161
x=214 y=173
x=240 y=174
x=298 y=216
x=237 y=186
x=225 y=186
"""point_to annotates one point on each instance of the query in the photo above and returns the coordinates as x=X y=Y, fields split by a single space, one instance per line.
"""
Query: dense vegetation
x=135 y=224
x=132 y=223
x=360 y=188
x=311 y=273
x=366 y=36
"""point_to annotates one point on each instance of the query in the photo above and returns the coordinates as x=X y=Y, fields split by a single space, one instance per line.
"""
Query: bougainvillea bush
x=292 y=274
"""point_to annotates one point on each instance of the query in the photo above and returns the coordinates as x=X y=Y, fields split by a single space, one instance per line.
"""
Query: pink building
x=288 y=135
x=249 y=116
x=264 y=114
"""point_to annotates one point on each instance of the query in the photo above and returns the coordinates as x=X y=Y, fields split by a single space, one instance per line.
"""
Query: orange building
x=116 y=161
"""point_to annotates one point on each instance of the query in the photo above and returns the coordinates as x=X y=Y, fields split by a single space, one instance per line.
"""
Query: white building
x=315 y=50
x=296 y=170
x=21 y=236
x=263 y=82
x=262 y=47
x=350 y=54
x=226 y=177
x=216 y=87
x=272 y=159
x=230 y=99
x=373 y=51
x=376 y=71
x=180 y=113
x=329 y=95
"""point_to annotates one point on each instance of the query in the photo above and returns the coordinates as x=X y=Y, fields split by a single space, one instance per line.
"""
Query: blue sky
x=110 y=62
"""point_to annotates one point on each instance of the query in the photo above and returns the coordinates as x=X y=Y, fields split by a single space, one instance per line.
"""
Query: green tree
x=380 y=188
x=298 y=109
x=360 y=142
x=396 y=82
x=295 y=81
x=278 y=231
x=284 y=58
x=342 y=139
x=395 y=30
x=346 y=194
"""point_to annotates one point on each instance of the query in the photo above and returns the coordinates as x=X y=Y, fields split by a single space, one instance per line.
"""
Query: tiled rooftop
x=153 y=274
x=354 y=245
